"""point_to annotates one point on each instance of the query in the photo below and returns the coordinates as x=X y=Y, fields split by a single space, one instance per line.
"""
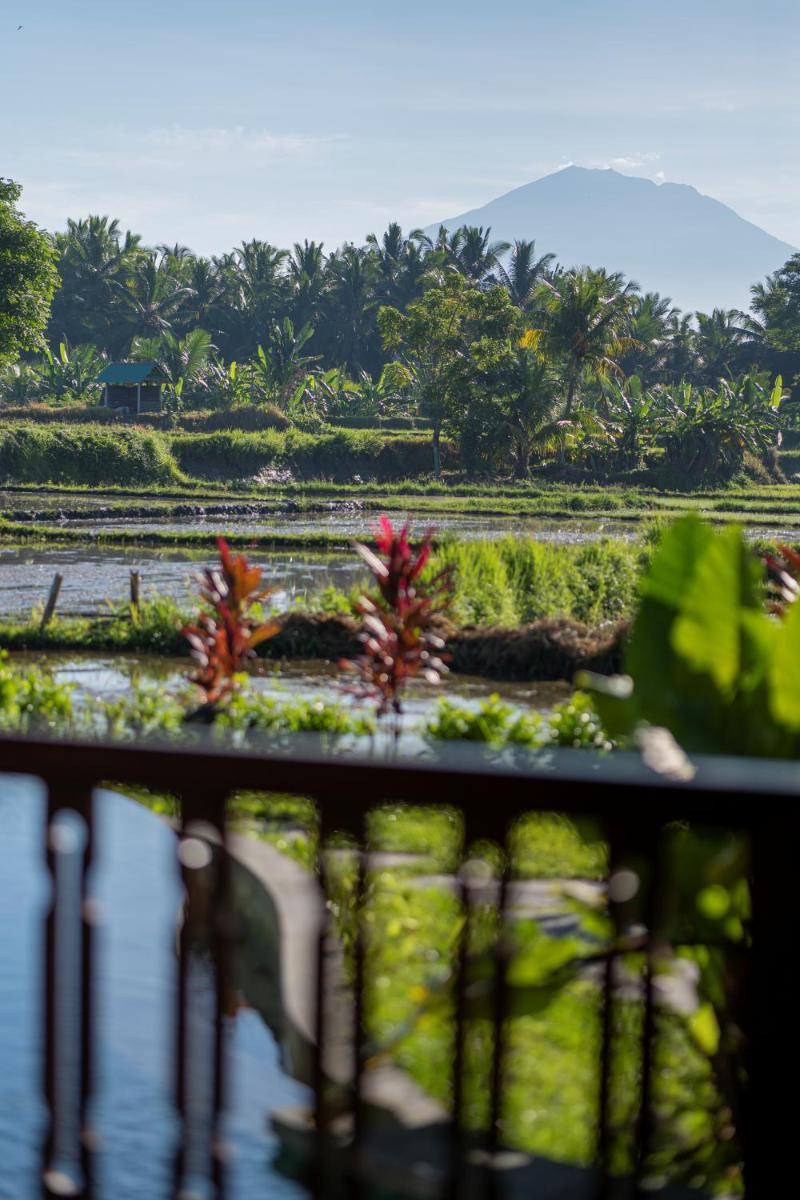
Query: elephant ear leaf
x=784 y=672
x=711 y=633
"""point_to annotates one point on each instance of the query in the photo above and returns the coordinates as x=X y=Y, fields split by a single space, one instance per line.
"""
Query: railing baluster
x=615 y=841
x=208 y=923
x=501 y=953
x=457 y=1142
x=68 y=972
x=319 y=1173
x=359 y=1015
x=651 y=846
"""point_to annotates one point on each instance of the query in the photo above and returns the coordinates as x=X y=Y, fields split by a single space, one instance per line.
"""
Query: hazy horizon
x=209 y=125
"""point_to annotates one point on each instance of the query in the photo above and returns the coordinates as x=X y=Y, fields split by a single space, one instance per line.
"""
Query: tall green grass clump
x=87 y=455
x=514 y=581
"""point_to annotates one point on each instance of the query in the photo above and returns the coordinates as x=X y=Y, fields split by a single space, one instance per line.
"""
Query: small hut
x=132 y=387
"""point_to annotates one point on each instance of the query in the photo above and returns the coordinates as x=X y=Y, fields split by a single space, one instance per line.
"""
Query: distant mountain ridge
x=668 y=237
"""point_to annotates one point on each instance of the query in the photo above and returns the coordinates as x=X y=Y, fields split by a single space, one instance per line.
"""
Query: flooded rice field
x=360 y=525
x=96 y=576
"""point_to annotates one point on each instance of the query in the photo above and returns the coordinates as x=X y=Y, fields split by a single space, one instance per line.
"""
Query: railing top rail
x=721 y=790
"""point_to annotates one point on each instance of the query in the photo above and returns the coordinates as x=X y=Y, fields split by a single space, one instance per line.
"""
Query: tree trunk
x=572 y=387
x=437 y=458
x=522 y=461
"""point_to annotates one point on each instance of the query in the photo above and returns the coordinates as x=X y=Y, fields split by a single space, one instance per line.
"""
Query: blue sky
x=208 y=123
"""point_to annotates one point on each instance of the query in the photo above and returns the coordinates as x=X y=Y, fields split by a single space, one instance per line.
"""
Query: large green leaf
x=784 y=674
x=708 y=634
x=673 y=565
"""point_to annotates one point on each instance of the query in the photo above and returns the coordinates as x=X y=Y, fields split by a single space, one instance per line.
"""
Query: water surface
x=137 y=886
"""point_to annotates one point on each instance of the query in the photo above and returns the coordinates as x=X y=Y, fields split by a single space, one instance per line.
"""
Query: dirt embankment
x=545 y=650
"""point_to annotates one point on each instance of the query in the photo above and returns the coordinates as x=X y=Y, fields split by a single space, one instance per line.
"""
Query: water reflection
x=136 y=887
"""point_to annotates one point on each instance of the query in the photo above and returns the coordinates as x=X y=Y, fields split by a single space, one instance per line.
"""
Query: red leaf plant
x=398 y=633
x=224 y=640
x=783 y=574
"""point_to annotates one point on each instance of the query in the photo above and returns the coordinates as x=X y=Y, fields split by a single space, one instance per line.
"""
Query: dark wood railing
x=491 y=792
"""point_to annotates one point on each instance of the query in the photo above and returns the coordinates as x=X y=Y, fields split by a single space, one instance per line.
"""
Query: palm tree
x=720 y=343
x=679 y=360
x=257 y=291
x=523 y=274
x=95 y=259
x=584 y=314
x=476 y=257
x=283 y=363
x=149 y=301
x=307 y=277
x=529 y=407
x=350 y=305
x=649 y=326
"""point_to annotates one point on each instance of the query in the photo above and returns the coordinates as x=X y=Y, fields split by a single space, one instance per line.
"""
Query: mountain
x=668 y=237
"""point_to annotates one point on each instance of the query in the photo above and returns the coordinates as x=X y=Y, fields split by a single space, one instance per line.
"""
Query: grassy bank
x=339 y=454
x=93 y=454
x=773 y=506
x=85 y=454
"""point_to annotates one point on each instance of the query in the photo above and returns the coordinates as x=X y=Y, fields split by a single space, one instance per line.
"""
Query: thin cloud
x=181 y=147
x=178 y=139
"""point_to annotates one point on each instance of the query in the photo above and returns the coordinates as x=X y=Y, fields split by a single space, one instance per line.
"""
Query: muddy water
x=114 y=675
x=361 y=524
x=95 y=576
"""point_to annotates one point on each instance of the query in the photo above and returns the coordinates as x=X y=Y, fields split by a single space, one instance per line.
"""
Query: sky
x=209 y=123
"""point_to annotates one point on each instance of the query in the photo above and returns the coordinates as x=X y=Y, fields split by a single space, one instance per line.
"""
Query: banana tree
x=324 y=394
x=278 y=369
x=19 y=383
x=710 y=430
x=632 y=417
x=70 y=373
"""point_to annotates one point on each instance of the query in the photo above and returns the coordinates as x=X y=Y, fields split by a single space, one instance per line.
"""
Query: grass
x=514 y=581
x=93 y=454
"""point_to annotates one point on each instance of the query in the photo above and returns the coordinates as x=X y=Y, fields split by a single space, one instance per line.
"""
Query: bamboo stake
x=52 y=599
x=135 y=592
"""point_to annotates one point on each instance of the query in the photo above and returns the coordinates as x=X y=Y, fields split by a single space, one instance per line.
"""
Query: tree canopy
x=28 y=277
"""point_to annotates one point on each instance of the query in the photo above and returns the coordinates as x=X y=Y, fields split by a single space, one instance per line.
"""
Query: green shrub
x=245 y=417
x=60 y=414
x=84 y=454
x=335 y=454
x=30 y=699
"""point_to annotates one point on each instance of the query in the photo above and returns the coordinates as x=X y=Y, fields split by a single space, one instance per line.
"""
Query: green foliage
x=251 y=711
x=30 y=699
x=705 y=659
x=574 y=724
x=85 y=455
x=337 y=454
x=28 y=277
x=513 y=581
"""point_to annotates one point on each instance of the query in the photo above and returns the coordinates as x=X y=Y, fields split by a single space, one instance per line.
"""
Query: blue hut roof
x=130 y=373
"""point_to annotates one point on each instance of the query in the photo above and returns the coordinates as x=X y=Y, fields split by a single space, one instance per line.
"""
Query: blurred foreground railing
x=634 y=806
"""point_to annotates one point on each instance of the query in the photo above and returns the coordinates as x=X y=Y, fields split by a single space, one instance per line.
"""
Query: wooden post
x=52 y=599
x=135 y=592
x=138 y=398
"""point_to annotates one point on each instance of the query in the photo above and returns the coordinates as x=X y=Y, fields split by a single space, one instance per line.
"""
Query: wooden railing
x=634 y=806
